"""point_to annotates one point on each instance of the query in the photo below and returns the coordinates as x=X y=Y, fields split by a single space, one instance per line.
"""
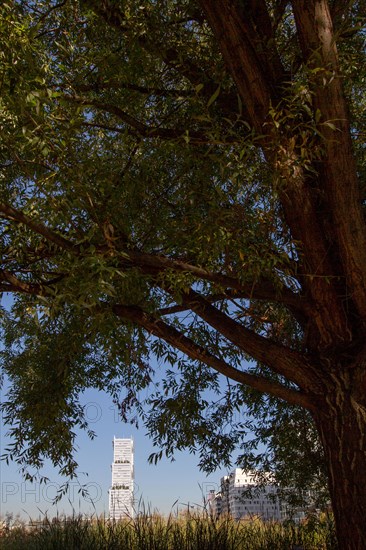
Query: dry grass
x=176 y=532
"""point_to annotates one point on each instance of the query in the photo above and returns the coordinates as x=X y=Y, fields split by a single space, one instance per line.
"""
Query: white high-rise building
x=121 y=491
x=240 y=497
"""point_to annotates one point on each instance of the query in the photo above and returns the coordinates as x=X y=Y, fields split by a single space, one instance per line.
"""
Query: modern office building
x=121 y=491
x=242 y=497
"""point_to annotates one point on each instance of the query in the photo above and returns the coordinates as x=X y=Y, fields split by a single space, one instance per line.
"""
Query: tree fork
x=258 y=91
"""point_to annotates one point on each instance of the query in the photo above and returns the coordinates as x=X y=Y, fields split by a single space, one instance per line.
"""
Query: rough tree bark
x=341 y=421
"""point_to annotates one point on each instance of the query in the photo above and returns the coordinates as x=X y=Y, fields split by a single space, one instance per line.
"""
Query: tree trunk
x=341 y=421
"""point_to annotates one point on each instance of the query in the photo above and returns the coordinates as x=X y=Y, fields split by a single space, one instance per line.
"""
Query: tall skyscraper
x=121 y=491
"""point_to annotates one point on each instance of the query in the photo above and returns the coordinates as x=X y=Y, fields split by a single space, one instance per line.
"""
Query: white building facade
x=241 y=497
x=121 y=503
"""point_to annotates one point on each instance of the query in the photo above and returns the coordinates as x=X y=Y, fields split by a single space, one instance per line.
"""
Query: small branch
x=47 y=13
x=109 y=108
x=279 y=11
x=339 y=9
x=118 y=85
x=13 y=284
x=142 y=129
x=228 y=295
x=261 y=290
x=18 y=216
x=193 y=137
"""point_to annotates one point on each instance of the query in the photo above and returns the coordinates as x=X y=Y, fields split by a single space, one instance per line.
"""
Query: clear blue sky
x=158 y=486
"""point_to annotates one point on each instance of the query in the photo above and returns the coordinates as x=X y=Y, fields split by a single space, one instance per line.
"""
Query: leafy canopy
x=142 y=215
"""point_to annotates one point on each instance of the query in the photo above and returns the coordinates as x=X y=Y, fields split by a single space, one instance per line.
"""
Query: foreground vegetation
x=189 y=532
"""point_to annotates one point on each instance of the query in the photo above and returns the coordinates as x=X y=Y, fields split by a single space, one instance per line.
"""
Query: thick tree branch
x=233 y=33
x=155 y=264
x=261 y=33
x=281 y=359
x=317 y=274
x=172 y=336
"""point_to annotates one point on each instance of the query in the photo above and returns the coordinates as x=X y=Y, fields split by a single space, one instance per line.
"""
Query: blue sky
x=158 y=486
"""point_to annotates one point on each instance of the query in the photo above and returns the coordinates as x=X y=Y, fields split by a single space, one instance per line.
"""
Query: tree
x=187 y=179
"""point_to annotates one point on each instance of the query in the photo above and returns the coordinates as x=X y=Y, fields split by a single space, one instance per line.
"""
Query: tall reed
x=189 y=531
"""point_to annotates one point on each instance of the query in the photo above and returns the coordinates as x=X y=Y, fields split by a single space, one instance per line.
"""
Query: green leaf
x=214 y=96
